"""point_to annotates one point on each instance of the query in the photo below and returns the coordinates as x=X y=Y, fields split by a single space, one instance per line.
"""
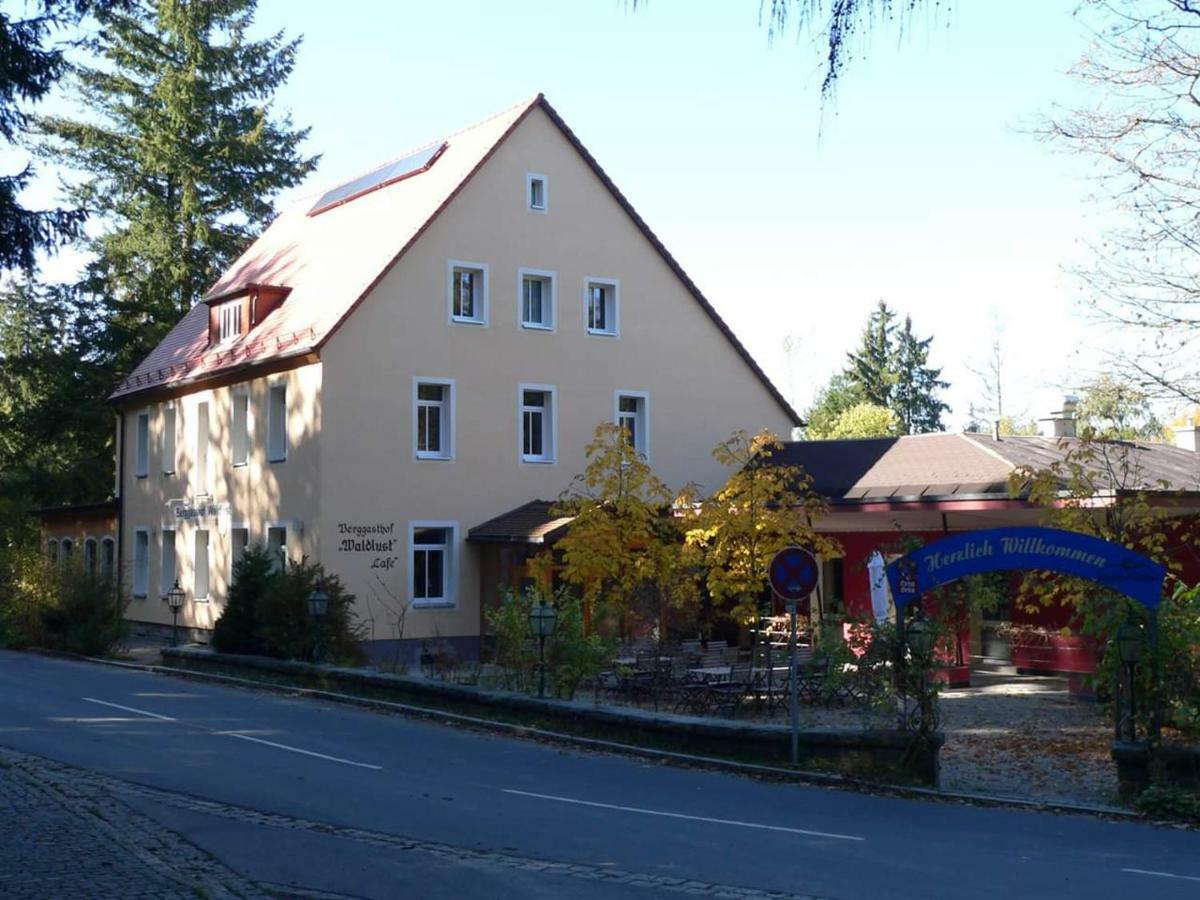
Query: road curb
x=823 y=779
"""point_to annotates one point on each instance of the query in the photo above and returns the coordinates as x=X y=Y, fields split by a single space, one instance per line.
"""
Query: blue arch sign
x=1049 y=549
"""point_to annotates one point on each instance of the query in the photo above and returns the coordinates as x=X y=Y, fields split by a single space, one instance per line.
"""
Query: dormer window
x=229 y=318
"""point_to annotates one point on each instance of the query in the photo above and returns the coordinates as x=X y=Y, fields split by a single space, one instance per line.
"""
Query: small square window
x=537 y=299
x=535 y=191
x=602 y=307
x=468 y=293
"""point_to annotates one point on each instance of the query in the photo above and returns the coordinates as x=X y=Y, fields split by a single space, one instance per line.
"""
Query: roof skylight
x=413 y=164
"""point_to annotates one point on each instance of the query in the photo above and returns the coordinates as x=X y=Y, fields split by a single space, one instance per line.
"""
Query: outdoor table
x=712 y=673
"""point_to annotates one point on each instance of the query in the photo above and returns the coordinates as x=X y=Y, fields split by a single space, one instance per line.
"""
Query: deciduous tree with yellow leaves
x=762 y=508
x=625 y=549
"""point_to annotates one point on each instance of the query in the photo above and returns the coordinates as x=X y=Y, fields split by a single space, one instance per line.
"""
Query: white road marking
x=673 y=815
x=235 y=734
x=336 y=759
x=1162 y=874
x=140 y=712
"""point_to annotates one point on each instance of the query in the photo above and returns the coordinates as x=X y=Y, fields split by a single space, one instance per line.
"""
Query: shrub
x=268 y=613
x=513 y=653
x=1163 y=802
x=571 y=658
x=88 y=618
x=57 y=607
x=27 y=591
x=237 y=629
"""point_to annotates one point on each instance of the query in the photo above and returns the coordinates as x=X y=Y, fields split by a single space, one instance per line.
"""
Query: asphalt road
x=353 y=803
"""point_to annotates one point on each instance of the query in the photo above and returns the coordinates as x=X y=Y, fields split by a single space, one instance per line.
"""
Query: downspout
x=120 y=505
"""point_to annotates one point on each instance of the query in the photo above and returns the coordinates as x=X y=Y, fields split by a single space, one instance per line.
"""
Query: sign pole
x=794 y=574
x=793 y=698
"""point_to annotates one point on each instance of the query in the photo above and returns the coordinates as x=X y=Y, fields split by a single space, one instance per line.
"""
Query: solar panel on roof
x=413 y=164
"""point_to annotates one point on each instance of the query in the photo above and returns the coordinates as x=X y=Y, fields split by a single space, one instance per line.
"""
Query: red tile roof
x=331 y=261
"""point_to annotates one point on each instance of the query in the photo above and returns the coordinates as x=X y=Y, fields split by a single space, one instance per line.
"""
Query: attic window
x=229 y=321
x=405 y=167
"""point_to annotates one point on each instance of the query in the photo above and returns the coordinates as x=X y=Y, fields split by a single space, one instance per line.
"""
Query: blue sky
x=916 y=184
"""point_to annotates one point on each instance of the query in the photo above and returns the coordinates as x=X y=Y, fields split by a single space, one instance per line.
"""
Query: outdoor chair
x=724 y=698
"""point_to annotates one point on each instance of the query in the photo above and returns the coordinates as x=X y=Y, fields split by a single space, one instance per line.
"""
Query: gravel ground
x=1023 y=736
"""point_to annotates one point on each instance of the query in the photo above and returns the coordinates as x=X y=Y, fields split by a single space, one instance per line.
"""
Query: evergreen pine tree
x=56 y=436
x=870 y=366
x=914 y=395
x=30 y=65
x=181 y=154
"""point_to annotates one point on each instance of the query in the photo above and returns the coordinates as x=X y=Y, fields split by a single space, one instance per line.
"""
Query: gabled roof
x=928 y=466
x=330 y=261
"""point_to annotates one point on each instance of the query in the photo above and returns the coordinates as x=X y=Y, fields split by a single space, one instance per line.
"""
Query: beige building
x=395 y=369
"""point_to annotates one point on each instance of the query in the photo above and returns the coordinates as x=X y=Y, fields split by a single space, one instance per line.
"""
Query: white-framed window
x=65 y=548
x=229 y=320
x=141 y=562
x=277 y=544
x=89 y=556
x=602 y=306
x=52 y=551
x=239 y=540
x=632 y=412
x=200 y=563
x=168 y=568
x=433 y=418
x=241 y=428
x=108 y=557
x=202 y=441
x=538 y=295
x=277 y=431
x=538 y=413
x=169 y=425
x=537 y=192
x=142 y=446
x=468 y=292
x=432 y=558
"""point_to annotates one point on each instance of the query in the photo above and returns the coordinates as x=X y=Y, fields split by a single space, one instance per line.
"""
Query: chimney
x=1188 y=438
x=1060 y=423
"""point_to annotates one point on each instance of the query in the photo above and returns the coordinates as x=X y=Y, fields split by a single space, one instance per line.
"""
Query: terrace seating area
x=714 y=679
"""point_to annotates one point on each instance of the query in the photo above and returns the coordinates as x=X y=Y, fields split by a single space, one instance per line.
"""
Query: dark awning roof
x=530 y=523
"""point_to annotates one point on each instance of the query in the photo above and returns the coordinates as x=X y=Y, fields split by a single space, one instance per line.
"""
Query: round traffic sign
x=793 y=573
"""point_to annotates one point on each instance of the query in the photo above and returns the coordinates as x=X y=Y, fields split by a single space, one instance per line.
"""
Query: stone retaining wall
x=892 y=756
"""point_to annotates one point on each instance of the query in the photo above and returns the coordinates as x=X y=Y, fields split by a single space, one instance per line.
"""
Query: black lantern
x=542 y=619
x=919 y=635
x=318 y=607
x=175 y=598
x=1129 y=642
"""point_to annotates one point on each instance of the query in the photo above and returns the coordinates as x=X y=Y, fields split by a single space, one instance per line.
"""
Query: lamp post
x=174 y=600
x=1129 y=651
x=542 y=618
x=318 y=606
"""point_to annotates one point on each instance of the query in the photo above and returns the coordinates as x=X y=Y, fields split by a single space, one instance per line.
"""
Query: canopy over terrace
x=506 y=542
